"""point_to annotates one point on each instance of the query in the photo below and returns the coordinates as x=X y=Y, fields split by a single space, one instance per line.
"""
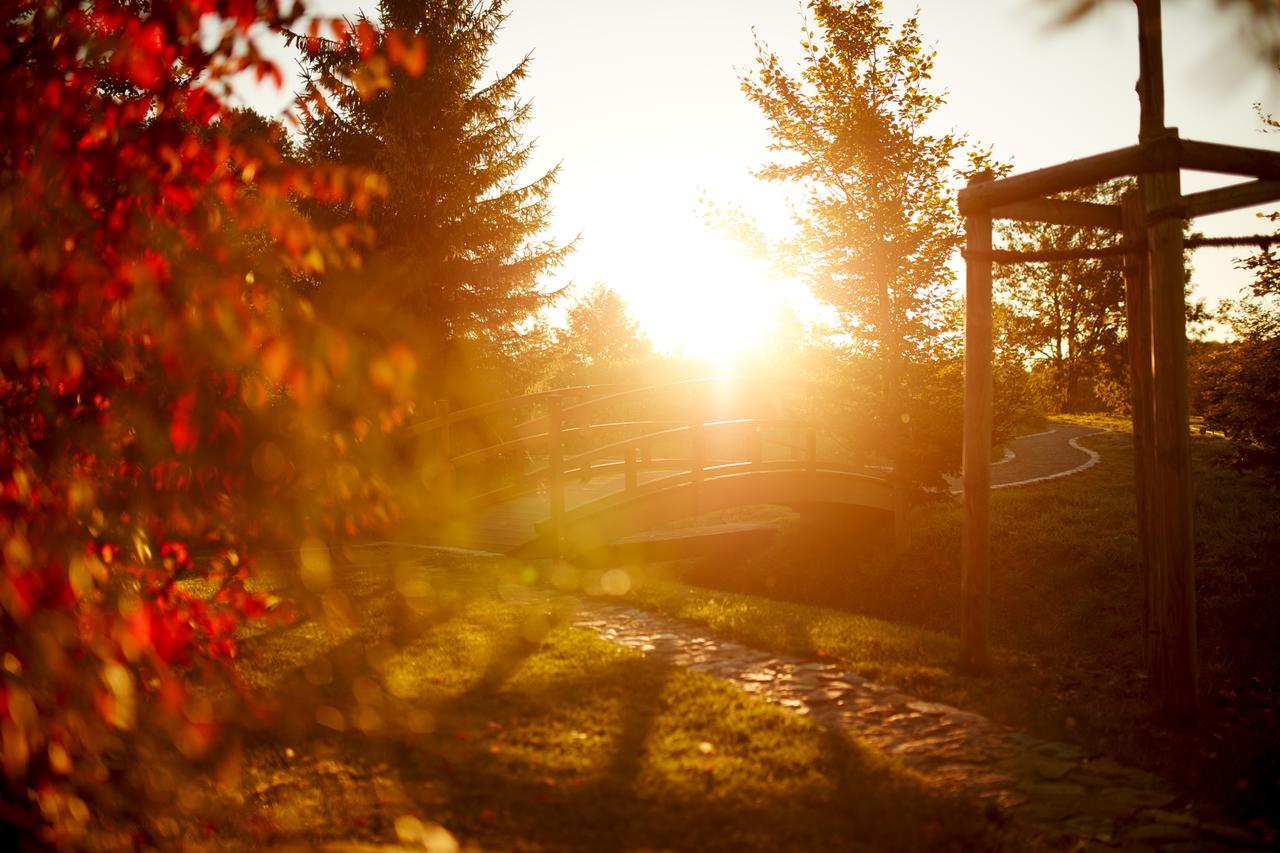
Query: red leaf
x=183 y=432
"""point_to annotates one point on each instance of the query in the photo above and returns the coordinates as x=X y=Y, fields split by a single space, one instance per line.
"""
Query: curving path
x=1041 y=456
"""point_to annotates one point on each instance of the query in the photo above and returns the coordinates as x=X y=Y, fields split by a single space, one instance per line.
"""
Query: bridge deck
x=504 y=527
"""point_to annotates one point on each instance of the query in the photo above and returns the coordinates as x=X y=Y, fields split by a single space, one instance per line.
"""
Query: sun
x=712 y=302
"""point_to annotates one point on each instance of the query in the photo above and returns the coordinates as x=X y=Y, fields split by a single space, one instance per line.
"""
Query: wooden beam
x=1160 y=153
x=1054 y=211
x=1229 y=159
x=1209 y=202
x=975 y=592
x=1137 y=299
x=1172 y=622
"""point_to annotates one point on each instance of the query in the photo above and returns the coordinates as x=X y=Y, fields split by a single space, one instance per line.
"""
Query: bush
x=172 y=415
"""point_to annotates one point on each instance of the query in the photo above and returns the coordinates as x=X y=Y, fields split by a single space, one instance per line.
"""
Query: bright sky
x=640 y=103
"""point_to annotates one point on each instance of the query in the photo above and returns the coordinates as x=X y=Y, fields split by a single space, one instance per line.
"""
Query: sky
x=640 y=105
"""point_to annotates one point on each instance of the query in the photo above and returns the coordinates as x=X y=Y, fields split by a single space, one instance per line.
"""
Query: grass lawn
x=1067 y=602
x=434 y=698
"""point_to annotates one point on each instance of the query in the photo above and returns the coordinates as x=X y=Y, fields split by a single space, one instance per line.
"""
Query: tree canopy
x=160 y=383
x=1066 y=318
x=853 y=131
x=600 y=331
x=461 y=249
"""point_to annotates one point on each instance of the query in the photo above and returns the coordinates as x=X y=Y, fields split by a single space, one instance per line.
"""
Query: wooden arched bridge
x=569 y=471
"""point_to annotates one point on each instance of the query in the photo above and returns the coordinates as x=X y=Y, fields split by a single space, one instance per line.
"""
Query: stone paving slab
x=1052 y=790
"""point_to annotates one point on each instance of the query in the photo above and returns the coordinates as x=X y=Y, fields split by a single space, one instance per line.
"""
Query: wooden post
x=1171 y=612
x=1171 y=621
x=555 y=457
x=1137 y=287
x=630 y=479
x=1150 y=71
x=976 y=574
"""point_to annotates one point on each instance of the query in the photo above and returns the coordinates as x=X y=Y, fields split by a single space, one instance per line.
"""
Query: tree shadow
x=634 y=798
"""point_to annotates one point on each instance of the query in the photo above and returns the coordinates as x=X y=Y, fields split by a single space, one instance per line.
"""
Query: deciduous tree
x=1065 y=318
x=162 y=393
x=600 y=332
x=853 y=132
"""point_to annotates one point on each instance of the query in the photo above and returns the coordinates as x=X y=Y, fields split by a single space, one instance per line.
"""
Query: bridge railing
x=558 y=426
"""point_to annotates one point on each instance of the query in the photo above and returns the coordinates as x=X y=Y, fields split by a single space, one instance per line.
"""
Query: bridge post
x=631 y=479
x=811 y=455
x=443 y=445
x=975 y=593
x=555 y=459
x=811 y=436
x=697 y=435
x=441 y=411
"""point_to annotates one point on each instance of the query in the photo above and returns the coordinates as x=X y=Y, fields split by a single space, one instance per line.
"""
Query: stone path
x=1052 y=790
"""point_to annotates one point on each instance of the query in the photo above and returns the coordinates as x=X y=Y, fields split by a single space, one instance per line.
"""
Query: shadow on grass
x=565 y=744
x=1067 y=605
x=645 y=789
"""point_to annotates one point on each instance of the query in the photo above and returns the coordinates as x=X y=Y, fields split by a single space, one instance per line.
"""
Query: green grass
x=1066 y=608
x=410 y=702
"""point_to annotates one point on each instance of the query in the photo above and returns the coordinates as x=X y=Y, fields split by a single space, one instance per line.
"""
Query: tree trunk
x=893 y=412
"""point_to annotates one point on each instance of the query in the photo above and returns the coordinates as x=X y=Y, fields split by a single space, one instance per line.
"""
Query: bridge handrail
x=734 y=423
x=493 y=406
x=639 y=390
x=685 y=473
x=524 y=442
x=726 y=470
x=631 y=466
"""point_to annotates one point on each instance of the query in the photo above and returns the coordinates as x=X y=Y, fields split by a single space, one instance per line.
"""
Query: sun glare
x=712 y=302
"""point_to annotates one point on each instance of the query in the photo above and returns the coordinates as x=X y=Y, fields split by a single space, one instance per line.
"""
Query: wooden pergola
x=1150 y=225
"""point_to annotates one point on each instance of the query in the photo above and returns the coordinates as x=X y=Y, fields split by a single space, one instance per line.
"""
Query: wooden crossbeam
x=1054 y=211
x=1234 y=197
x=1158 y=154
x=1229 y=159
x=1151 y=156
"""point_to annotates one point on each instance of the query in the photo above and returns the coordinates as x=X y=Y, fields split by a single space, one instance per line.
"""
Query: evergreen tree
x=877 y=220
x=461 y=246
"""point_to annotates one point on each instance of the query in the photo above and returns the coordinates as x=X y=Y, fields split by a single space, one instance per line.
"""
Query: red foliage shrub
x=172 y=413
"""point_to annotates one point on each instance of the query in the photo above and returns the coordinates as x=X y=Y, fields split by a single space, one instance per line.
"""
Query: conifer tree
x=461 y=238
